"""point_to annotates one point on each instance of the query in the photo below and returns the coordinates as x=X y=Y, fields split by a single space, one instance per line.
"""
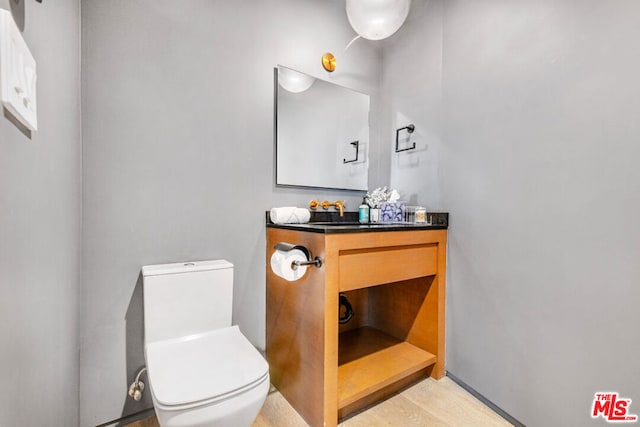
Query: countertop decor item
x=289 y=215
x=374 y=215
x=392 y=211
x=375 y=200
x=363 y=212
x=381 y=194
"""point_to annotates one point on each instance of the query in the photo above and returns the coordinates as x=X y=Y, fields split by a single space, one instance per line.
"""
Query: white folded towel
x=289 y=215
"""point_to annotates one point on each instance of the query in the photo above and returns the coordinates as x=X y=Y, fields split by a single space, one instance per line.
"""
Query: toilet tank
x=186 y=298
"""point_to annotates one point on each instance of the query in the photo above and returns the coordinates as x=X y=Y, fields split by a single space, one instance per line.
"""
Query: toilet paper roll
x=276 y=263
x=281 y=264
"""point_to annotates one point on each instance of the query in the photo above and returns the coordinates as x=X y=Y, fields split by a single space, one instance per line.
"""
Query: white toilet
x=202 y=371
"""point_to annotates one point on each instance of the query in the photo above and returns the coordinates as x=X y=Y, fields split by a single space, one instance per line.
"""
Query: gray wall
x=40 y=223
x=538 y=167
x=178 y=156
x=411 y=93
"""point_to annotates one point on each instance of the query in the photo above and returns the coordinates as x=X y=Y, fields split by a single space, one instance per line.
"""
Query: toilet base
x=237 y=411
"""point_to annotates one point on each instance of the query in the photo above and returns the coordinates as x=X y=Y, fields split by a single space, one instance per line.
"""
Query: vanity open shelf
x=372 y=361
x=395 y=281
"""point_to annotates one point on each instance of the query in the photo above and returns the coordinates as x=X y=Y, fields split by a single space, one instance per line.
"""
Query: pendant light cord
x=351 y=42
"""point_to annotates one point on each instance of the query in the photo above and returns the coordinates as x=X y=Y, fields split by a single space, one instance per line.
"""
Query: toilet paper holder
x=286 y=247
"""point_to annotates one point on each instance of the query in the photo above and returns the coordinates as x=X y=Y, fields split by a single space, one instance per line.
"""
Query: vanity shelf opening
x=374 y=371
x=386 y=342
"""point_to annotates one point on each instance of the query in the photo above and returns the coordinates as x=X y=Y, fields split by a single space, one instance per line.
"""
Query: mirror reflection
x=322 y=133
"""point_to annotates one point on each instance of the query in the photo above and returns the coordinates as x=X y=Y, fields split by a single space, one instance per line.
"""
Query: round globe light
x=294 y=81
x=377 y=19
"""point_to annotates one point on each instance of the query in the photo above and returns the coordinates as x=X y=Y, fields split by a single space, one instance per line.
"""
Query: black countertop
x=332 y=223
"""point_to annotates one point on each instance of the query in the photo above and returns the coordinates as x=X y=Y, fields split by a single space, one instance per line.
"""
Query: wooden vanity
x=394 y=278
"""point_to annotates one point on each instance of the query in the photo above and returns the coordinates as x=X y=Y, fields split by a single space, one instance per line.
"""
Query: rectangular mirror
x=322 y=133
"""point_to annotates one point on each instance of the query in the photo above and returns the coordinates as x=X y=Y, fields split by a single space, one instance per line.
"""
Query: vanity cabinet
x=395 y=281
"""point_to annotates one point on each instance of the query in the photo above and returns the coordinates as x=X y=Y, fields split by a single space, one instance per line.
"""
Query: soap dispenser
x=363 y=212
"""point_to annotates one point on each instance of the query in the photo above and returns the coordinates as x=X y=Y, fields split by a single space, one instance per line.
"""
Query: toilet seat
x=204 y=368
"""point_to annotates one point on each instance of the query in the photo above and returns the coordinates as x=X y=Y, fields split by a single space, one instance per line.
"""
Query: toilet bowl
x=202 y=371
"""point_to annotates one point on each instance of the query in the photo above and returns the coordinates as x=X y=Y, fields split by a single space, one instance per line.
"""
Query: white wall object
x=377 y=19
x=17 y=73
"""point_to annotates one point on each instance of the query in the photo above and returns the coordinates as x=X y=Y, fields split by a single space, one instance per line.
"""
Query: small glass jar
x=409 y=214
x=374 y=215
x=420 y=215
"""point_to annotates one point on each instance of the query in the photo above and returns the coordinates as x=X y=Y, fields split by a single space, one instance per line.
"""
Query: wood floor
x=428 y=403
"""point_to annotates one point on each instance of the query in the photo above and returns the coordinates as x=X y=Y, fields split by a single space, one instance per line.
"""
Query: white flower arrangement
x=381 y=194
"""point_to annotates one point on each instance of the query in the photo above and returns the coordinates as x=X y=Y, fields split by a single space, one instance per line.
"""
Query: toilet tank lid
x=185 y=267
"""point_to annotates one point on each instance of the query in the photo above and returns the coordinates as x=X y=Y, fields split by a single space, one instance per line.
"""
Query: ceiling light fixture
x=377 y=19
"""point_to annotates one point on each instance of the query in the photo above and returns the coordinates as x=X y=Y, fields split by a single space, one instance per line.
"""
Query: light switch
x=17 y=73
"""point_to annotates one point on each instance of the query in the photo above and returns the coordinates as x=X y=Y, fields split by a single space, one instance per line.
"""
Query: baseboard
x=145 y=413
x=484 y=400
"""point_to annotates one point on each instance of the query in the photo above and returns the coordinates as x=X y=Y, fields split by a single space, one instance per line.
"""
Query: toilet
x=202 y=371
